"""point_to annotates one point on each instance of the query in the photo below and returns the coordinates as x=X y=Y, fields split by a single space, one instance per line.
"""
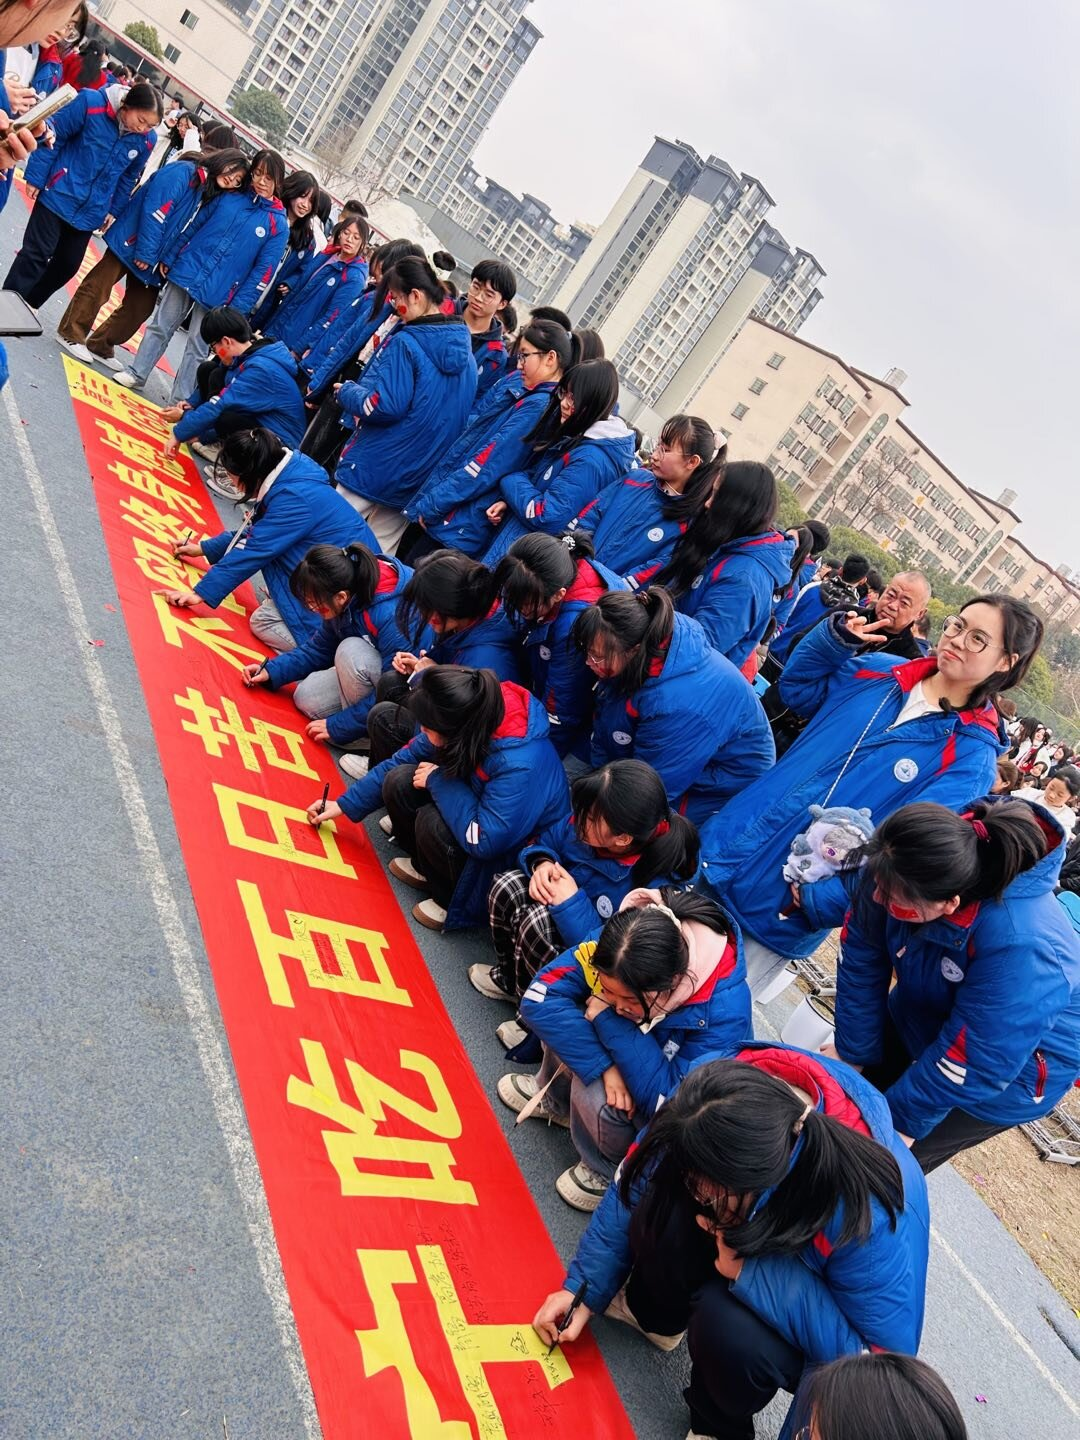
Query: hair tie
x=981 y=832
x=801 y=1121
x=569 y=540
x=667 y=910
x=661 y=829
x=642 y=597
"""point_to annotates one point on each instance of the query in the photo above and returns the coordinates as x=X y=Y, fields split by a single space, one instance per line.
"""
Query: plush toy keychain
x=821 y=850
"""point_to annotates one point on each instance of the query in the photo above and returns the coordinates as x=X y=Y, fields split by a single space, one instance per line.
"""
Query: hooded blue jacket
x=488 y=644
x=453 y=500
x=376 y=622
x=263 y=382
x=410 y=402
x=230 y=250
x=603 y=881
x=344 y=339
x=560 y=677
x=854 y=697
x=94 y=165
x=156 y=213
x=716 y=1018
x=554 y=489
x=733 y=596
x=828 y=1300
x=520 y=788
x=292 y=272
x=317 y=299
x=298 y=510
x=986 y=1000
x=786 y=604
x=489 y=351
x=696 y=722
x=631 y=534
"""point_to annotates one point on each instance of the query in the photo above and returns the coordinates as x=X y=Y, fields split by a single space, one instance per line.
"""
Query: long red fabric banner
x=412 y=1250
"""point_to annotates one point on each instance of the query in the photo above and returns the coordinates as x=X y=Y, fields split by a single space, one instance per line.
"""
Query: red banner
x=412 y=1250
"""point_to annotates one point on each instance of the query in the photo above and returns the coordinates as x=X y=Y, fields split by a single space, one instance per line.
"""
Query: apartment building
x=205 y=41
x=836 y=436
x=400 y=90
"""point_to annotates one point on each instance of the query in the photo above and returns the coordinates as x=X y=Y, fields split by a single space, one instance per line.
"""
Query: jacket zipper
x=1041 y=1069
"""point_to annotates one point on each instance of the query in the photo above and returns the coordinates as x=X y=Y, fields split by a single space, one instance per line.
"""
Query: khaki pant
x=136 y=308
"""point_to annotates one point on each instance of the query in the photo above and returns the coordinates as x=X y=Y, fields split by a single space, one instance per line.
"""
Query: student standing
x=299 y=191
x=492 y=286
x=103 y=140
x=324 y=291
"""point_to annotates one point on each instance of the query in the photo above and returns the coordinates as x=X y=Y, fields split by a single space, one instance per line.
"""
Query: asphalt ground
x=139 y=1281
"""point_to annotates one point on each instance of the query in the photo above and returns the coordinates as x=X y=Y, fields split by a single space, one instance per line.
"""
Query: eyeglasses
x=954 y=627
x=481 y=288
x=524 y=355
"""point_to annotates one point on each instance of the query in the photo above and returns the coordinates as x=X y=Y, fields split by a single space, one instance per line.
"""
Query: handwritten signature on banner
x=412 y=1250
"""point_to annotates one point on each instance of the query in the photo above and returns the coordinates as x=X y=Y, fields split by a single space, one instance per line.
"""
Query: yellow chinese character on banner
x=152 y=485
x=153 y=522
x=388 y=1346
x=280 y=820
x=222 y=725
x=300 y=945
x=139 y=450
x=162 y=567
x=359 y=1138
x=95 y=390
x=209 y=630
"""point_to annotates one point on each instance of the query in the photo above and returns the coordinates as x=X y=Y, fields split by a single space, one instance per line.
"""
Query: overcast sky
x=926 y=152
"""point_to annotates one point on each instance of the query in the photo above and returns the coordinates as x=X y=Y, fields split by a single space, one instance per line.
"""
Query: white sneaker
x=430 y=914
x=205 y=452
x=482 y=978
x=112 y=362
x=357 y=767
x=386 y=825
x=581 y=1187
x=516 y=1091
x=510 y=1033
x=224 y=488
x=403 y=869
x=620 y=1310
x=77 y=349
x=130 y=379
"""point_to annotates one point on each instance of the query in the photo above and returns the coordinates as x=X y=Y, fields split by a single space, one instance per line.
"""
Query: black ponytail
x=445 y=583
x=536 y=568
x=629 y=797
x=646 y=951
x=622 y=620
x=735 y=1128
x=694 y=436
x=745 y=501
x=413 y=273
x=327 y=570
x=465 y=707
x=247 y=457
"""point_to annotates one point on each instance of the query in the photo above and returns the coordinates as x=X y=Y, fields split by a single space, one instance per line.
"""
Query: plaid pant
x=522 y=932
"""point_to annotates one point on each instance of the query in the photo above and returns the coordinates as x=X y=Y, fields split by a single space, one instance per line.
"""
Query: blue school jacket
x=292 y=272
x=317 y=299
x=298 y=510
x=94 y=165
x=493 y=397
x=556 y=486
x=560 y=677
x=519 y=789
x=376 y=622
x=631 y=534
x=489 y=351
x=230 y=250
x=986 y=1000
x=786 y=604
x=453 y=500
x=411 y=402
x=828 y=1300
x=49 y=69
x=696 y=721
x=853 y=696
x=262 y=381
x=344 y=339
x=5 y=104
x=603 y=881
x=156 y=213
x=733 y=597
x=488 y=644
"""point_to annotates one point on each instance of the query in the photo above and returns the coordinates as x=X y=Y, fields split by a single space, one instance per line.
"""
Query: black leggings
x=422 y=831
x=52 y=251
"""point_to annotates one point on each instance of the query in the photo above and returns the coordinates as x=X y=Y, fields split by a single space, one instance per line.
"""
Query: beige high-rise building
x=204 y=41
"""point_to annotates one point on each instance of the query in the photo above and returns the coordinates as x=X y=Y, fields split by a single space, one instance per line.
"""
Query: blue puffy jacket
x=263 y=381
x=631 y=534
x=94 y=165
x=696 y=722
x=853 y=697
x=986 y=1000
x=733 y=596
x=715 y=1018
x=489 y=351
x=230 y=250
x=454 y=498
x=520 y=788
x=292 y=272
x=344 y=339
x=376 y=622
x=317 y=299
x=557 y=486
x=411 y=402
x=488 y=644
x=156 y=213
x=787 y=602
x=603 y=882
x=49 y=70
x=298 y=510
x=7 y=176
x=560 y=677
x=828 y=1300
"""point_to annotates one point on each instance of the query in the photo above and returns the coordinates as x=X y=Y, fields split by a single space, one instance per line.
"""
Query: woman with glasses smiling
x=880 y=735
x=770 y=1212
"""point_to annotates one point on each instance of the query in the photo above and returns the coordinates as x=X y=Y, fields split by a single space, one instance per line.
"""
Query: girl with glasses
x=881 y=734
x=771 y=1213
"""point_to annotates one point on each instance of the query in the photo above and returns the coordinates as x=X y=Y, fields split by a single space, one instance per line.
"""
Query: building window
x=757 y=386
x=172 y=55
x=775 y=361
x=740 y=411
x=188 y=20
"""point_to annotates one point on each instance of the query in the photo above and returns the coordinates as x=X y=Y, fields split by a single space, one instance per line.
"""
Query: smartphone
x=44 y=109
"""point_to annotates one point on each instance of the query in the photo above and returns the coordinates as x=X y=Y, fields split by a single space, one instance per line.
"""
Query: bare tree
x=873 y=480
x=347 y=177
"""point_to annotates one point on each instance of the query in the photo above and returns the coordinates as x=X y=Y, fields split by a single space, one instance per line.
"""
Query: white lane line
x=216 y=1070
x=1006 y=1324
